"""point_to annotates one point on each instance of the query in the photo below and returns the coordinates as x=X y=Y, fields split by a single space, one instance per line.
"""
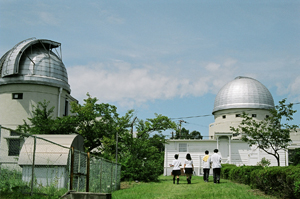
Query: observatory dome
x=33 y=61
x=243 y=92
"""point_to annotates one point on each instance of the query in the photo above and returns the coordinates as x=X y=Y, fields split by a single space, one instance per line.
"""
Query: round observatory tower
x=243 y=94
x=31 y=72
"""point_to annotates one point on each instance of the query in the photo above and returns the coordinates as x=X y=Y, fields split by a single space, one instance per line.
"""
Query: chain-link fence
x=45 y=163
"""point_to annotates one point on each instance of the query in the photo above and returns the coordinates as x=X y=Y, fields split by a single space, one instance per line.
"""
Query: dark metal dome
x=33 y=61
x=243 y=92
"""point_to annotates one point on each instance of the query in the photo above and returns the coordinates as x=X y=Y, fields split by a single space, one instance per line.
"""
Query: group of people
x=213 y=162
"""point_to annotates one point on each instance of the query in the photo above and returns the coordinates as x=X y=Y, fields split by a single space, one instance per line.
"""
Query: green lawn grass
x=198 y=189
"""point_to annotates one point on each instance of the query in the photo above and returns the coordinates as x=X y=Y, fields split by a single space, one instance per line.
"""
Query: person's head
x=188 y=156
x=206 y=152
x=176 y=156
x=216 y=150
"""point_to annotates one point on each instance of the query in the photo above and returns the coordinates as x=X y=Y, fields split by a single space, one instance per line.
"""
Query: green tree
x=98 y=124
x=142 y=156
x=294 y=156
x=42 y=121
x=185 y=134
x=270 y=134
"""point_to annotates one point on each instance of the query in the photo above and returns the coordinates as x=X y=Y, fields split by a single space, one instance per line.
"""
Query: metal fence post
x=87 y=172
x=33 y=164
x=72 y=168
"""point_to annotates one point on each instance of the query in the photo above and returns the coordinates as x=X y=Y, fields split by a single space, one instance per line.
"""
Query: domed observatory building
x=243 y=94
x=31 y=72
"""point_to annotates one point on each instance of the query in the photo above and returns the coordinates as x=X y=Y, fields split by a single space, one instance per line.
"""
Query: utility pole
x=180 y=121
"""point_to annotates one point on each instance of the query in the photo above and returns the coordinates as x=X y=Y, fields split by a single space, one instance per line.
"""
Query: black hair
x=188 y=157
x=206 y=152
x=176 y=156
x=216 y=150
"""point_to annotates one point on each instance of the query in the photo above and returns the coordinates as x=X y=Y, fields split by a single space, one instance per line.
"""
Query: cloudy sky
x=168 y=57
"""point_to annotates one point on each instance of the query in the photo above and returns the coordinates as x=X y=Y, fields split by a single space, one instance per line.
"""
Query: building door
x=224 y=148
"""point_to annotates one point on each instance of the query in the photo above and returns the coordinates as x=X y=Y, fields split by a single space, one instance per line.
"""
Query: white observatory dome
x=32 y=61
x=243 y=92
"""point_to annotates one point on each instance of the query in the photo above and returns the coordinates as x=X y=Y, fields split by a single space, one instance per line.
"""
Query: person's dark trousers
x=216 y=174
x=205 y=174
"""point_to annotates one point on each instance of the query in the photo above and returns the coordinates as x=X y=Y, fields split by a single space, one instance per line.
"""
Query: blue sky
x=165 y=56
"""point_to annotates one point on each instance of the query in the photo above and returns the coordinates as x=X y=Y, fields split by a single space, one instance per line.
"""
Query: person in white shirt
x=206 y=166
x=176 y=170
x=189 y=168
x=216 y=165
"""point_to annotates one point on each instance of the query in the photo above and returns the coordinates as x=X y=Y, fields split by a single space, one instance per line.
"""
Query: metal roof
x=33 y=61
x=55 y=151
x=243 y=92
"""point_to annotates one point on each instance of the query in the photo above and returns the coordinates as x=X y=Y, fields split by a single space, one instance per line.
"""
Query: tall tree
x=271 y=134
x=97 y=123
x=42 y=121
x=142 y=155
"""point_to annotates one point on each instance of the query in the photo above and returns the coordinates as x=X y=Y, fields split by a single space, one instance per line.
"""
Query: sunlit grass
x=198 y=189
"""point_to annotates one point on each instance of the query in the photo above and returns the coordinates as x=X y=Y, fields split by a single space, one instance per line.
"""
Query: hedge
x=280 y=181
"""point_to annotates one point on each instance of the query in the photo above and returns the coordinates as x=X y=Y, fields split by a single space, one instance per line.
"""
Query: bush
x=280 y=181
x=242 y=174
x=226 y=169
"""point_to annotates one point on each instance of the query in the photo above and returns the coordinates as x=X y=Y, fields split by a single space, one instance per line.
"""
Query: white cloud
x=131 y=86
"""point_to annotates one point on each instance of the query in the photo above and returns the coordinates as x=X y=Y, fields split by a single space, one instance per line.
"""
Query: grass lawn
x=198 y=189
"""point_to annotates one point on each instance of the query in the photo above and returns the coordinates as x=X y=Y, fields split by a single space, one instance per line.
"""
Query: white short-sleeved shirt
x=206 y=164
x=216 y=160
x=188 y=163
x=176 y=164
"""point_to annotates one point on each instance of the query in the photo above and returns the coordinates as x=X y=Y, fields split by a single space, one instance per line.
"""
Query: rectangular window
x=14 y=133
x=237 y=115
x=183 y=147
x=66 y=107
x=267 y=116
x=253 y=115
x=17 y=96
x=14 y=147
x=224 y=116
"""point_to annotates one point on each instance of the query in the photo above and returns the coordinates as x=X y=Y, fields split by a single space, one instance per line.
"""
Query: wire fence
x=37 y=164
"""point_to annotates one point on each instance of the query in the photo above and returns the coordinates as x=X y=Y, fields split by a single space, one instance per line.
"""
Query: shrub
x=226 y=169
x=264 y=162
x=243 y=174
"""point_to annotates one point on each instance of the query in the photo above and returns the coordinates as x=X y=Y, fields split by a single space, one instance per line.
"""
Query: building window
x=183 y=147
x=14 y=147
x=237 y=115
x=66 y=107
x=17 y=96
x=253 y=115
x=267 y=116
x=224 y=116
x=14 y=133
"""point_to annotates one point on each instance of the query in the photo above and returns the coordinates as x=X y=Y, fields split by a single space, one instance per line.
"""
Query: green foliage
x=280 y=181
x=42 y=122
x=264 y=162
x=226 y=169
x=185 y=134
x=294 y=157
x=12 y=186
x=269 y=133
x=143 y=160
x=242 y=174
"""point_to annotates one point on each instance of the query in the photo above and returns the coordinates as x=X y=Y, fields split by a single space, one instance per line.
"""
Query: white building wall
x=224 y=119
x=240 y=154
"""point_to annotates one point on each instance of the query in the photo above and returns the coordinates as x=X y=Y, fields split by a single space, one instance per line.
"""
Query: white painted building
x=243 y=94
x=31 y=72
